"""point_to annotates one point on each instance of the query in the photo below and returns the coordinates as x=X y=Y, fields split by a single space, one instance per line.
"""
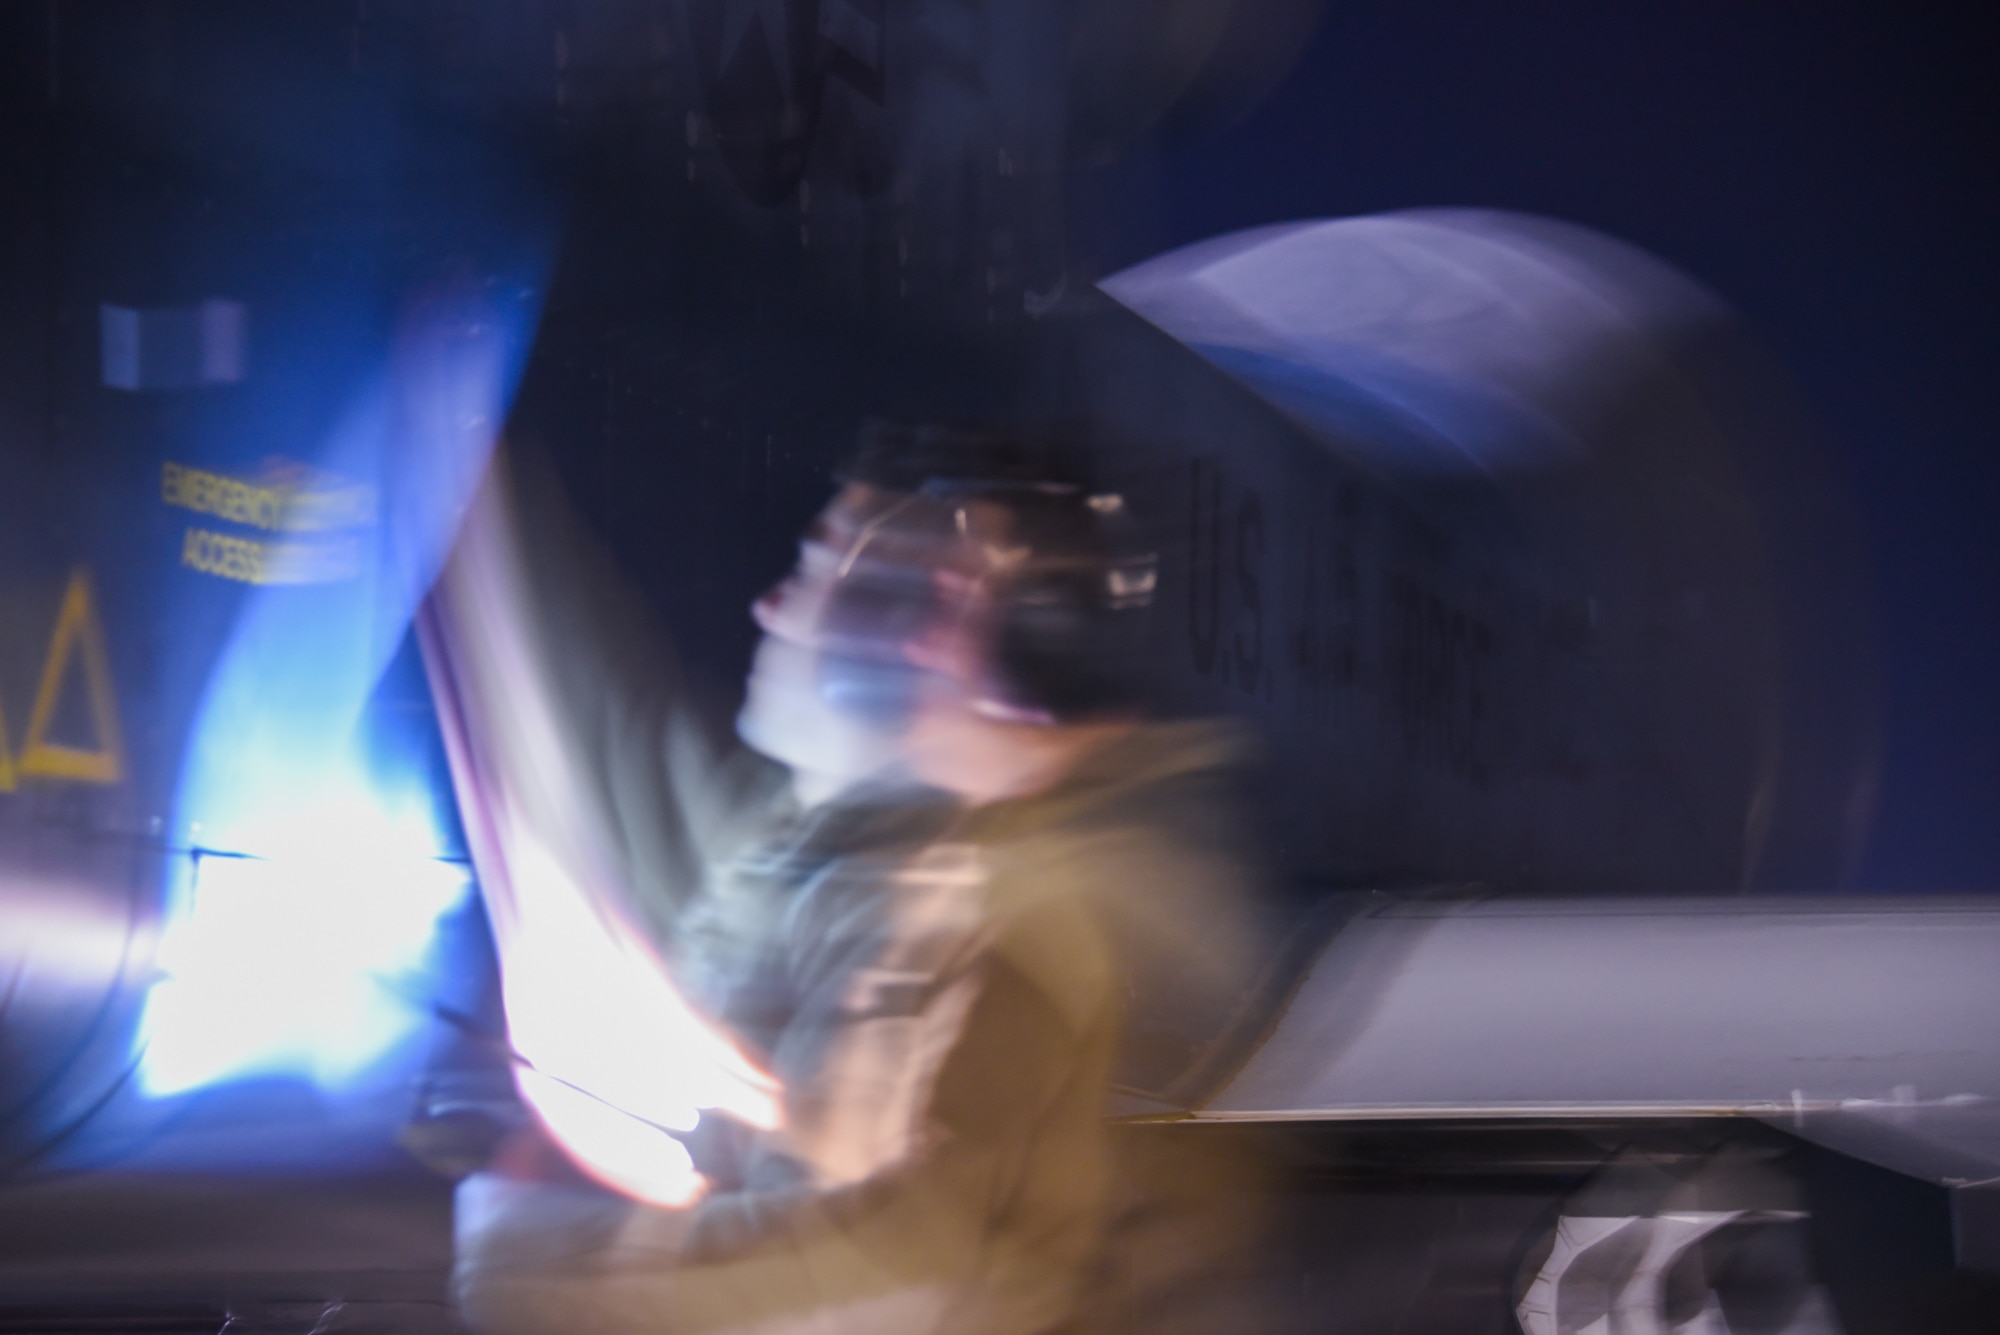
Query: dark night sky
x=1829 y=169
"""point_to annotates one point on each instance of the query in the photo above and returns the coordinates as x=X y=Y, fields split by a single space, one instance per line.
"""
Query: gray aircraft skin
x=1509 y=541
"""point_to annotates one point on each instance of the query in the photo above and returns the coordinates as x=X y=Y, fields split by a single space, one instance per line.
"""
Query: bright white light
x=288 y=962
x=618 y=1150
x=615 y=1052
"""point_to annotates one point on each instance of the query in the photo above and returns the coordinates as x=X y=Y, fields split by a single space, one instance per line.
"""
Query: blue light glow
x=288 y=945
x=291 y=962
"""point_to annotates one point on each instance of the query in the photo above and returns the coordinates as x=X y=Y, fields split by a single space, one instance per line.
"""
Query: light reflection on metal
x=1637 y=1008
x=612 y=1055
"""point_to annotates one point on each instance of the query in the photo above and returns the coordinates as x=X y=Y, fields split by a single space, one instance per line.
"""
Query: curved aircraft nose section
x=1534 y=575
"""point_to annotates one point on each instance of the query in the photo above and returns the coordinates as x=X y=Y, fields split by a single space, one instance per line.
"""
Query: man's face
x=786 y=713
x=880 y=623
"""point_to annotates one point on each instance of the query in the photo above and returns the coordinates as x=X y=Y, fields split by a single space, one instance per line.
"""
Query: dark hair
x=1065 y=638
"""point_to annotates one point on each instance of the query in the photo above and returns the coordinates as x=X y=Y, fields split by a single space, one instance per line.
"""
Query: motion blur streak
x=318 y=882
x=613 y=1054
x=610 y=1054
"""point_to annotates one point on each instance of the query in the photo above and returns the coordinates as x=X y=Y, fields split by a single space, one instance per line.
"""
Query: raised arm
x=594 y=798
x=571 y=700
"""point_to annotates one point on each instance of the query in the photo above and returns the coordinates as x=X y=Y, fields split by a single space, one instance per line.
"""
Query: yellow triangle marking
x=6 y=756
x=77 y=627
